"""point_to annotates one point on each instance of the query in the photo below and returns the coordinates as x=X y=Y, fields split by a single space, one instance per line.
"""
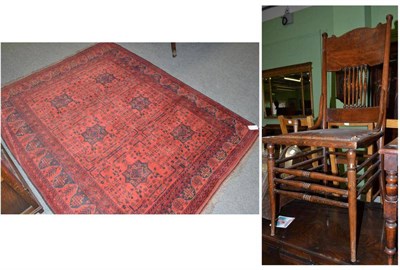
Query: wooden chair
x=285 y=122
x=353 y=53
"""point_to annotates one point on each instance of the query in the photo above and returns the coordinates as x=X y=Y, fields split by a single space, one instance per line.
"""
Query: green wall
x=301 y=41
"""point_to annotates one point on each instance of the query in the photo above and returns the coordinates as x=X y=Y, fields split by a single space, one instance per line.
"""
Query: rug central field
x=105 y=131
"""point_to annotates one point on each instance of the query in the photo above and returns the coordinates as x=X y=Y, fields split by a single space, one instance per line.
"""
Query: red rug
x=105 y=131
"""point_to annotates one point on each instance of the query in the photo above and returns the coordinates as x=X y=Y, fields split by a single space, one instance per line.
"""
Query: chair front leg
x=271 y=185
x=352 y=200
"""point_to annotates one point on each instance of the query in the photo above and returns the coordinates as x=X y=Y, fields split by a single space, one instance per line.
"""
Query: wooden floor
x=320 y=235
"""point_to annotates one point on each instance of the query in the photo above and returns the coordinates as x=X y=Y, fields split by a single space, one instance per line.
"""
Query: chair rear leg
x=382 y=181
x=271 y=185
x=369 y=195
x=325 y=160
x=352 y=200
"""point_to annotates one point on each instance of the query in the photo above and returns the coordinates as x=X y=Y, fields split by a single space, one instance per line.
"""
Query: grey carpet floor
x=226 y=72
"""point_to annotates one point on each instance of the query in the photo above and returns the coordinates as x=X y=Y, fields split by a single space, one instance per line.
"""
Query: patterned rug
x=105 y=131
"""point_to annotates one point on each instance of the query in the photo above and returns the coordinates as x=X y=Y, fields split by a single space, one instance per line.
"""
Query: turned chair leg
x=271 y=185
x=352 y=200
x=382 y=189
x=390 y=213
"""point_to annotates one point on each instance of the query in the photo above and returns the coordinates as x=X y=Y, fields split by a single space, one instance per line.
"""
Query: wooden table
x=389 y=153
x=16 y=197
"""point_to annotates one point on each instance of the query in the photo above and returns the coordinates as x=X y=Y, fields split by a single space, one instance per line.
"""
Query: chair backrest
x=353 y=53
x=284 y=122
x=392 y=123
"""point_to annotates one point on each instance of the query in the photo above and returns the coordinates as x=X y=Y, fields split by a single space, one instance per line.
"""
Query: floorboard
x=320 y=235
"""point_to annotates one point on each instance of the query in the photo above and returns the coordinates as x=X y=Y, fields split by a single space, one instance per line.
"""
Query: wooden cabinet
x=16 y=197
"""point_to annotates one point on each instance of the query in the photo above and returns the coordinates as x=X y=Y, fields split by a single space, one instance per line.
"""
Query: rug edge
x=49 y=66
x=207 y=98
x=243 y=153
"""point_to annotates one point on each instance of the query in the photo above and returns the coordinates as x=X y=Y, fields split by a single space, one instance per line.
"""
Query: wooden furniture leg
x=368 y=196
x=352 y=200
x=334 y=167
x=270 y=171
x=390 y=203
x=173 y=48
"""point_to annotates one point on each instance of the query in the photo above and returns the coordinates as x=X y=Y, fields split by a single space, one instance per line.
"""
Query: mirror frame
x=281 y=71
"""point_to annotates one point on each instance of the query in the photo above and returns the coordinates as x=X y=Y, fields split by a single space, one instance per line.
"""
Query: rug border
x=207 y=98
x=46 y=67
x=245 y=151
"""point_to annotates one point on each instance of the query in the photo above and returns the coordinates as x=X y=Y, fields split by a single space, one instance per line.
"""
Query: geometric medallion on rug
x=105 y=131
